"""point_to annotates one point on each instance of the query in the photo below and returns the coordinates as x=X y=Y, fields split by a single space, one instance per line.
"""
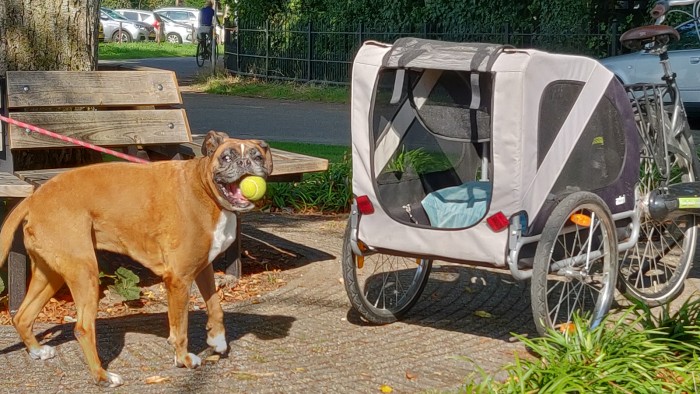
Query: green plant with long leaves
x=634 y=353
x=418 y=160
x=682 y=326
x=327 y=192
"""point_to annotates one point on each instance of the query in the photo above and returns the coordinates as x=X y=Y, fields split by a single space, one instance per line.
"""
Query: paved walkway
x=304 y=337
x=301 y=338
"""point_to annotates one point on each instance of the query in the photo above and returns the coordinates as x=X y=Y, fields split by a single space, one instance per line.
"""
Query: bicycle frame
x=673 y=121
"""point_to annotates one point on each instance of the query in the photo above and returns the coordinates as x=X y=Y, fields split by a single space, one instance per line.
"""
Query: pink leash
x=74 y=141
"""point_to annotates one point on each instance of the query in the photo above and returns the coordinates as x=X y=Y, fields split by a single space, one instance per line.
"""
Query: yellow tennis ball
x=253 y=187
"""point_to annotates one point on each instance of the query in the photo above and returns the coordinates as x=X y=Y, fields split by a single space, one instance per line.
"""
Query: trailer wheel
x=575 y=266
x=382 y=287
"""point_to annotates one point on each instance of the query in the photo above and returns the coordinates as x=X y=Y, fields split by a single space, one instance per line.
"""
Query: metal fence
x=323 y=53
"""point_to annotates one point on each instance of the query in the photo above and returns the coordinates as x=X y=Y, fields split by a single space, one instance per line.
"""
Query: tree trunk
x=48 y=35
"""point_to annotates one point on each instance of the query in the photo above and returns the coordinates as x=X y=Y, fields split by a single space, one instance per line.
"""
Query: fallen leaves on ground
x=262 y=268
x=157 y=379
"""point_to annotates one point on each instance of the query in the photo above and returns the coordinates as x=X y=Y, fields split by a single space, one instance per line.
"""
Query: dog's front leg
x=216 y=333
x=178 y=298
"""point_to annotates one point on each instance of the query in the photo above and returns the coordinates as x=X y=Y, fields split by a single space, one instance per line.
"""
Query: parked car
x=176 y=32
x=189 y=16
x=684 y=56
x=171 y=30
x=114 y=24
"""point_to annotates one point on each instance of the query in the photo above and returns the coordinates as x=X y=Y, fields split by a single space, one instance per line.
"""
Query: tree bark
x=48 y=35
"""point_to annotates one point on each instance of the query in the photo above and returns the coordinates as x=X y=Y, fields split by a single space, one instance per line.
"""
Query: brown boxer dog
x=174 y=217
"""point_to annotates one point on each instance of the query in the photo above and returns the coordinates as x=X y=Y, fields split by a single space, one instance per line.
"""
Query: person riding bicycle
x=206 y=19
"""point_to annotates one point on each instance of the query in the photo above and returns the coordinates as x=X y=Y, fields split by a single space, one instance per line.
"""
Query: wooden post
x=16 y=265
x=233 y=253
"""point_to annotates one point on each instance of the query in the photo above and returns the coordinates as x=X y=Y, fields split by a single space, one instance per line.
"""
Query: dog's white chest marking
x=224 y=234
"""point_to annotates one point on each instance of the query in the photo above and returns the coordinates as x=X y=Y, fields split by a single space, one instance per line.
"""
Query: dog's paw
x=191 y=361
x=113 y=380
x=218 y=343
x=45 y=352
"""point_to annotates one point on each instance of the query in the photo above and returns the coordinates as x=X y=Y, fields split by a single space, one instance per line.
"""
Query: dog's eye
x=227 y=158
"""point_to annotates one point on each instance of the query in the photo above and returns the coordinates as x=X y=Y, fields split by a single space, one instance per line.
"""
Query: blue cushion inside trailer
x=458 y=206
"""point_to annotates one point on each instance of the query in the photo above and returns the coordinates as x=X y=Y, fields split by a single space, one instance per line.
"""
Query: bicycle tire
x=654 y=270
x=574 y=269
x=386 y=286
x=200 y=54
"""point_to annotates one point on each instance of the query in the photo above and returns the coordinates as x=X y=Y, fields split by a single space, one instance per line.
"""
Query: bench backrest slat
x=105 y=128
x=91 y=89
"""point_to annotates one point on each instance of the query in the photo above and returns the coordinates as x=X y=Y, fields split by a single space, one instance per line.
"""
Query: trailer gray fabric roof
x=412 y=52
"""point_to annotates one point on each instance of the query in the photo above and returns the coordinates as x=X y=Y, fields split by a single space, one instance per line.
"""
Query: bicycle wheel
x=382 y=287
x=575 y=264
x=201 y=52
x=653 y=271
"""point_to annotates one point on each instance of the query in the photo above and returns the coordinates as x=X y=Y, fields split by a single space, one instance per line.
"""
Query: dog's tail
x=12 y=222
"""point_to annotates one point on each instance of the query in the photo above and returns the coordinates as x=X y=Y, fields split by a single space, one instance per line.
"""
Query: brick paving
x=303 y=337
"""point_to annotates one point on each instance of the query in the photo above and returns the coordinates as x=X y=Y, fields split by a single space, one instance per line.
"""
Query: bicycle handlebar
x=660 y=9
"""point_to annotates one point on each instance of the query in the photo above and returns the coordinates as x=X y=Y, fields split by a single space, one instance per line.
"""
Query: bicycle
x=654 y=269
x=204 y=45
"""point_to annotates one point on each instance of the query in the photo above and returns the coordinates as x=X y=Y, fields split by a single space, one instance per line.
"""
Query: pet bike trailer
x=490 y=155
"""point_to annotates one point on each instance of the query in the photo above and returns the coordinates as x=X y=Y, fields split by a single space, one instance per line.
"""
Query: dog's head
x=229 y=160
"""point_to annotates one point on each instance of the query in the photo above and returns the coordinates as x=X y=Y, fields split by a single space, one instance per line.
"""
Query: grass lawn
x=223 y=83
x=144 y=50
x=252 y=87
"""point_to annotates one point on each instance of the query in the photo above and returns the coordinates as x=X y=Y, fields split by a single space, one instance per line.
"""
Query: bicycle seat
x=657 y=35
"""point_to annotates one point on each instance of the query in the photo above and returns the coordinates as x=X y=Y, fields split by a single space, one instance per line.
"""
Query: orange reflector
x=580 y=219
x=364 y=205
x=361 y=245
x=360 y=261
x=497 y=222
x=418 y=261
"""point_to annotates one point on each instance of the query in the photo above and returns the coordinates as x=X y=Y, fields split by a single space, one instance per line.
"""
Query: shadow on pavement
x=111 y=332
x=470 y=300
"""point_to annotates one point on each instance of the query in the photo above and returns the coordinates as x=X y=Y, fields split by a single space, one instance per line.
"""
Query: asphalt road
x=273 y=120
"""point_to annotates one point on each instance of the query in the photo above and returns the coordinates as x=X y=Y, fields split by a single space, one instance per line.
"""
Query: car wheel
x=174 y=38
x=125 y=36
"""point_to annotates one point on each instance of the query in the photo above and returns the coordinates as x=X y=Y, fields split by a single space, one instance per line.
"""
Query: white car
x=684 y=57
x=174 y=32
x=118 y=28
x=188 y=16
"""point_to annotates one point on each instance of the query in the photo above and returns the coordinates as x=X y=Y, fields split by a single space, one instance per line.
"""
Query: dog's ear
x=267 y=152
x=212 y=141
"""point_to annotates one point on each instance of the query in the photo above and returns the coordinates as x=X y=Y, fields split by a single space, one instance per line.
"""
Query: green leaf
x=2 y=285
x=125 y=284
x=126 y=275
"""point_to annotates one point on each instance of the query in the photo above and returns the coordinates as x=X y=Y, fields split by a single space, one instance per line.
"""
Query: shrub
x=327 y=192
x=637 y=353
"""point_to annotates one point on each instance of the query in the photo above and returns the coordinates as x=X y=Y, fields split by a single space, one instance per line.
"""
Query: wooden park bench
x=134 y=112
